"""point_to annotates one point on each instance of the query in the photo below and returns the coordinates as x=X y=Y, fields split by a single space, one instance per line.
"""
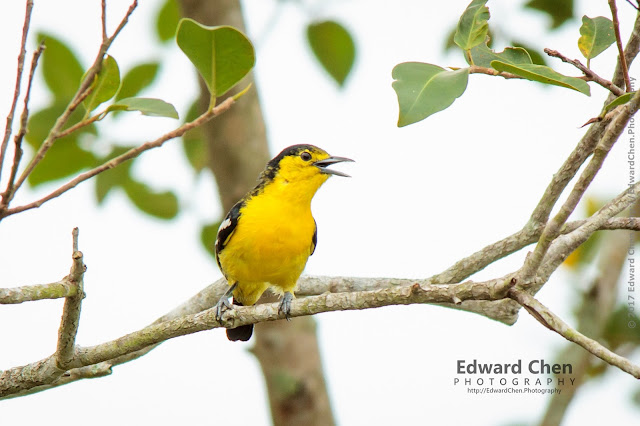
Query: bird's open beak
x=323 y=164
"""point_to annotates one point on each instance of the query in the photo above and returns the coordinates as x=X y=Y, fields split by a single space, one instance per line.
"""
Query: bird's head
x=303 y=164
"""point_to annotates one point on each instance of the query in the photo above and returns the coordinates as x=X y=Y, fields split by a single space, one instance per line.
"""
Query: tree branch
x=132 y=153
x=20 y=379
x=566 y=244
x=474 y=69
x=553 y=227
x=17 y=140
x=29 y=293
x=504 y=310
x=16 y=92
x=547 y=318
x=621 y=56
x=595 y=308
x=591 y=76
x=83 y=91
x=71 y=311
x=103 y=19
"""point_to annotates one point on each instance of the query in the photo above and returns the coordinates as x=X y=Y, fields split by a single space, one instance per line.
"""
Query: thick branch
x=504 y=310
x=20 y=379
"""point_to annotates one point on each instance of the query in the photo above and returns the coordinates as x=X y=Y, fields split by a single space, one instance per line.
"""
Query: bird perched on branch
x=267 y=237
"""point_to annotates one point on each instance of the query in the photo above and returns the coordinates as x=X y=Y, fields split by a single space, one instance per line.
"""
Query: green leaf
x=194 y=143
x=559 y=11
x=596 y=35
x=147 y=106
x=333 y=47
x=163 y=205
x=222 y=55
x=65 y=157
x=105 y=84
x=167 y=20
x=60 y=67
x=620 y=100
x=622 y=327
x=482 y=55
x=208 y=234
x=473 y=25
x=543 y=74
x=137 y=78
x=424 y=89
x=114 y=177
x=535 y=55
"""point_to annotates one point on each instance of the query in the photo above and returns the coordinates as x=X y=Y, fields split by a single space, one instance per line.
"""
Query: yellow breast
x=273 y=238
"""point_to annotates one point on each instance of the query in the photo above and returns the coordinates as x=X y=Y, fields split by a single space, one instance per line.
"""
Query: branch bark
x=553 y=227
x=547 y=318
x=71 y=310
x=22 y=379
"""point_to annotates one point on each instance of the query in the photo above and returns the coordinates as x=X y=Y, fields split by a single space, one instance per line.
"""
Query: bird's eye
x=305 y=156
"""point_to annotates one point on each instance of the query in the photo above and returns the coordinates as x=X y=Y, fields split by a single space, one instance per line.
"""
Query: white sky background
x=420 y=198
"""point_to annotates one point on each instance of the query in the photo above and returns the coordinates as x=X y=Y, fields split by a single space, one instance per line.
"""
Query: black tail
x=243 y=332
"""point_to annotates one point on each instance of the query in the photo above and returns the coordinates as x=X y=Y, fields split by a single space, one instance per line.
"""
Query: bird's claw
x=285 y=305
x=223 y=302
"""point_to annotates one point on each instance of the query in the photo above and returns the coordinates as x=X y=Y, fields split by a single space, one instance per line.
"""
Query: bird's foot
x=222 y=305
x=285 y=305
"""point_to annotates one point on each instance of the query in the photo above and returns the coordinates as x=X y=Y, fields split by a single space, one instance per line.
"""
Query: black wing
x=314 y=239
x=226 y=229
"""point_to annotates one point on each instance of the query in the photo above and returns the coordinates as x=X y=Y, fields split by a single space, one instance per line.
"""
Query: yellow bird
x=267 y=237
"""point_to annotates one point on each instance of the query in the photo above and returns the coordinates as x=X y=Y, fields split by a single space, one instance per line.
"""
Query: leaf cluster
x=424 y=89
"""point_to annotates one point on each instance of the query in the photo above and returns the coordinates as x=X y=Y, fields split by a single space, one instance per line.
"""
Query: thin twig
x=83 y=91
x=554 y=323
x=132 y=153
x=635 y=6
x=103 y=19
x=475 y=69
x=71 y=310
x=79 y=125
x=16 y=92
x=621 y=57
x=17 y=140
x=589 y=74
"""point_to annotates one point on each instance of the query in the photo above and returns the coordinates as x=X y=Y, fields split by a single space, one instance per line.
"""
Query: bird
x=267 y=237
